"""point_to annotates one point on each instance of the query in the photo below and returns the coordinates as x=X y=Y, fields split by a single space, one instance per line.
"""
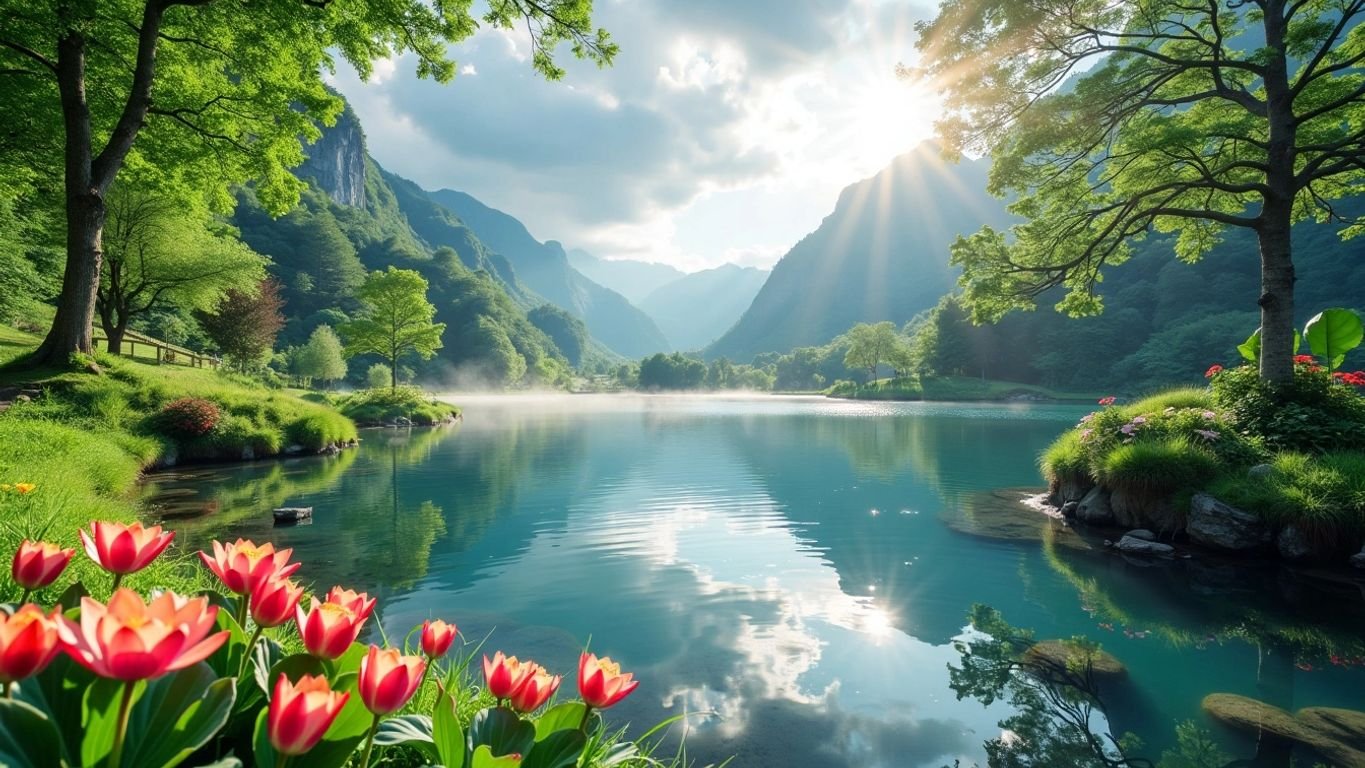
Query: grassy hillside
x=85 y=439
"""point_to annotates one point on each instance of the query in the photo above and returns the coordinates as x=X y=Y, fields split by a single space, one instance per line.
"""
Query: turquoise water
x=798 y=568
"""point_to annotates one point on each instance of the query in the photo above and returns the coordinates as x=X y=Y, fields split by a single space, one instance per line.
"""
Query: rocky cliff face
x=337 y=161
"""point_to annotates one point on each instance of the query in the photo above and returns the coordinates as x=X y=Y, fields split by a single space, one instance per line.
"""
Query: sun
x=889 y=117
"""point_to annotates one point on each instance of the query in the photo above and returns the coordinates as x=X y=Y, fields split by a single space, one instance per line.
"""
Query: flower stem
x=246 y=654
x=587 y=713
x=282 y=761
x=118 y=579
x=125 y=708
x=369 y=744
x=242 y=610
x=9 y=690
x=24 y=598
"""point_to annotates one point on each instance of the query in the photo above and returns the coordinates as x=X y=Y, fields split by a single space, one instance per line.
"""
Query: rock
x=1215 y=524
x=1135 y=546
x=1293 y=544
x=1337 y=734
x=1141 y=533
x=294 y=449
x=1062 y=653
x=1358 y=559
x=1134 y=509
x=22 y=399
x=403 y=421
x=248 y=454
x=1069 y=508
x=1094 y=509
x=330 y=449
x=1260 y=470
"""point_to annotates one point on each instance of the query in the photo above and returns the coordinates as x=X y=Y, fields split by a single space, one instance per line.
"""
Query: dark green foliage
x=671 y=372
x=1313 y=414
x=811 y=368
x=566 y=331
x=383 y=406
x=1323 y=495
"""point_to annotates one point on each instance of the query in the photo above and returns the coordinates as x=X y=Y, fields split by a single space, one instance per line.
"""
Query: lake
x=795 y=568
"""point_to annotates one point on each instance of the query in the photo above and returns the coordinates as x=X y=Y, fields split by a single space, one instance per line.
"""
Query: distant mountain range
x=633 y=279
x=697 y=309
x=881 y=255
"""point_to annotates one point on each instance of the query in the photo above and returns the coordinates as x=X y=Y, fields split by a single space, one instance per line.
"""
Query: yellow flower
x=24 y=488
x=5 y=487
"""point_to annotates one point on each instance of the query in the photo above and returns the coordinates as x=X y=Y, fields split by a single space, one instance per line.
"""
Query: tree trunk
x=115 y=334
x=393 y=373
x=1277 y=299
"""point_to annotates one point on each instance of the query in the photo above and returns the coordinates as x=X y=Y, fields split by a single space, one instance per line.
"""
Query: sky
x=723 y=132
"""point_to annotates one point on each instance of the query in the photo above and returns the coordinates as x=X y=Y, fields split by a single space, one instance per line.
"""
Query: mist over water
x=798 y=567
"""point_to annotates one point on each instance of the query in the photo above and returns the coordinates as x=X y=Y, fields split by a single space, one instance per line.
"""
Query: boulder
x=1069 y=508
x=1141 y=533
x=1337 y=734
x=1293 y=544
x=1223 y=526
x=1358 y=559
x=1135 y=546
x=294 y=450
x=1260 y=470
x=1135 y=509
x=1064 y=653
x=1094 y=509
x=248 y=453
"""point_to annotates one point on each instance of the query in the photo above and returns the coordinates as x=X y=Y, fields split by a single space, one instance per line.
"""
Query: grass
x=86 y=439
x=952 y=389
x=1065 y=458
x=1323 y=494
x=373 y=407
x=1157 y=467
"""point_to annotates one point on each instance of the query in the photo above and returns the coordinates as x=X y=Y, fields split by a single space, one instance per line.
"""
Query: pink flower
x=123 y=549
x=132 y=640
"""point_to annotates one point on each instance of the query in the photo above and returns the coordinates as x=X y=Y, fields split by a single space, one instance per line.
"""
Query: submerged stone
x=1337 y=734
x=1135 y=546
x=1063 y=653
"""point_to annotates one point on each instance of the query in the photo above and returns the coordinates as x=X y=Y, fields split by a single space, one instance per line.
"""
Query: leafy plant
x=1332 y=333
x=189 y=417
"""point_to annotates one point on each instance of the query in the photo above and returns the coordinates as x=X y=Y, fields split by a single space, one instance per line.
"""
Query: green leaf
x=227 y=762
x=100 y=718
x=1251 y=348
x=566 y=716
x=228 y=658
x=413 y=730
x=560 y=749
x=176 y=715
x=28 y=737
x=348 y=661
x=446 y=733
x=264 y=658
x=619 y=753
x=71 y=596
x=261 y=749
x=1332 y=333
x=502 y=731
x=294 y=667
x=57 y=693
x=483 y=758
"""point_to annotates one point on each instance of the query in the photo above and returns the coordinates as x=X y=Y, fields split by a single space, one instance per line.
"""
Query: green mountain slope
x=633 y=279
x=881 y=255
x=697 y=309
x=545 y=269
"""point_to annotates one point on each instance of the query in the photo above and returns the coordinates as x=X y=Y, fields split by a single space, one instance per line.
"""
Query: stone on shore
x=1223 y=526
x=1132 y=545
x=1293 y=544
x=1094 y=508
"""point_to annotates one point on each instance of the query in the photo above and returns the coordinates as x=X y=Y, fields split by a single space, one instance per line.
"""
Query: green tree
x=902 y=358
x=245 y=324
x=157 y=253
x=566 y=331
x=1116 y=118
x=202 y=94
x=322 y=358
x=870 y=345
x=396 y=319
x=378 y=376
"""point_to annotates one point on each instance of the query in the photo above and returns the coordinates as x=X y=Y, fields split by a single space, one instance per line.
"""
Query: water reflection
x=781 y=563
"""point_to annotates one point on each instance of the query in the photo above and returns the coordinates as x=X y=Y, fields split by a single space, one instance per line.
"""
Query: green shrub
x=381 y=406
x=1066 y=457
x=1314 y=414
x=1322 y=494
x=1157 y=467
x=316 y=431
x=378 y=376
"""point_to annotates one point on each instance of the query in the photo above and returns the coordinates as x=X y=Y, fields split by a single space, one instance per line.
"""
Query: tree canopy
x=395 y=320
x=1116 y=118
x=870 y=345
x=245 y=323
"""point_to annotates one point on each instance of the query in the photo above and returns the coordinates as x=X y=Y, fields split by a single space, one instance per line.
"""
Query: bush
x=188 y=417
x=1157 y=467
x=319 y=430
x=378 y=376
x=1315 y=414
x=1323 y=495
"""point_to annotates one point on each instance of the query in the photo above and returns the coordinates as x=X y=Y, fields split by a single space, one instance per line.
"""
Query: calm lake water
x=797 y=567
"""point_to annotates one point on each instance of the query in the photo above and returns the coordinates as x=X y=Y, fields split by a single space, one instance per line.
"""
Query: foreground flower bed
x=157 y=680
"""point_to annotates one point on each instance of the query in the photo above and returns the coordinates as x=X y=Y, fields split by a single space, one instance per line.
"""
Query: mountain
x=545 y=269
x=881 y=255
x=724 y=293
x=633 y=279
x=355 y=217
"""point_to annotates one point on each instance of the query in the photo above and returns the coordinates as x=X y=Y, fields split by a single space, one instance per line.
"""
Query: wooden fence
x=160 y=351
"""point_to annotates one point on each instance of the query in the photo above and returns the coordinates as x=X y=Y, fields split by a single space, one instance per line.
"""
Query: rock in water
x=1223 y=526
x=1358 y=559
x=1141 y=533
x=1069 y=508
x=1094 y=508
x=1064 y=654
x=1338 y=734
x=1293 y=544
x=1343 y=727
x=1134 y=546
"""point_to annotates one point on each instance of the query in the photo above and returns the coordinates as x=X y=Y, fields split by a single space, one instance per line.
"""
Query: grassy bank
x=382 y=407
x=85 y=438
x=953 y=388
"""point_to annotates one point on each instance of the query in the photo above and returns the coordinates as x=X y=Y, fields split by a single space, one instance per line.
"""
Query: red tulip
x=38 y=564
x=275 y=601
x=437 y=637
x=300 y=713
x=601 y=683
x=388 y=679
x=132 y=640
x=242 y=566
x=537 y=689
x=505 y=675
x=28 y=642
x=329 y=628
x=122 y=549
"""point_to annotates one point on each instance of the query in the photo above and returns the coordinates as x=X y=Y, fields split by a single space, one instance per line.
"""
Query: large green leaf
x=446 y=733
x=28 y=737
x=483 y=758
x=1332 y=333
x=560 y=749
x=412 y=730
x=502 y=731
x=177 y=714
x=293 y=667
x=264 y=657
x=1251 y=348
x=100 y=720
x=566 y=716
x=57 y=693
x=228 y=658
x=261 y=749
